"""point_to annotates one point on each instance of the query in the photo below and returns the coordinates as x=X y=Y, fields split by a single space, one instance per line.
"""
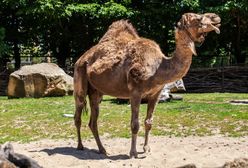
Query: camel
x=125 y=65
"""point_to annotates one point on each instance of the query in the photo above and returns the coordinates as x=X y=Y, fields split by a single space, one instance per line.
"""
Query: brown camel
x=125 y=65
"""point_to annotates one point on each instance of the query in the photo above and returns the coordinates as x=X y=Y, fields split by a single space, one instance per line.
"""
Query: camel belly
x=110 y=84
x=116 y=85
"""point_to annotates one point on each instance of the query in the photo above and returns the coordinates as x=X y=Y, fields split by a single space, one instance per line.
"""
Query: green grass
x=31 y=119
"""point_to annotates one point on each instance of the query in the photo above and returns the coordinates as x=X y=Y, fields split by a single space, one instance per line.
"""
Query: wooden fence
x=204 y=80
x=4 y=79
x=223 y=79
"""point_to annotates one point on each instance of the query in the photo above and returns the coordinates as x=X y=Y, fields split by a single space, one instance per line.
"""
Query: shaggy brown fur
x=125 y=65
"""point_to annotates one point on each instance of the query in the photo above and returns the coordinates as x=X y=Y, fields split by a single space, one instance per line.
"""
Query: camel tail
x=80 y=88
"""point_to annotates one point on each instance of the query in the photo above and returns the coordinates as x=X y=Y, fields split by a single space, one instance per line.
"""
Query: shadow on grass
x=116 y=101
x=86 y=154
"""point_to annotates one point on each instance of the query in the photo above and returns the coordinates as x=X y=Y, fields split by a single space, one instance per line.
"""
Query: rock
x=237 y=163
x=4 y=153
x=10 y=159
x=6 y=164
x=165 y=95
x=23 y=161
x=39 y=80
x=188 y=166
x=171 y=88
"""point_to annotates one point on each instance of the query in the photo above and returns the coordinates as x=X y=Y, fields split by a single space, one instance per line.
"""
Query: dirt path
x=204 y=152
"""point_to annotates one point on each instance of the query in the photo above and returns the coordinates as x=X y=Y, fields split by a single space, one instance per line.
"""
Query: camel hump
x=146 y=57
x=120 y=28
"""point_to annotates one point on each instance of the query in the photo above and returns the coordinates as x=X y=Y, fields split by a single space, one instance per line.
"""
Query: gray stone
x=4 y=163
x=188 y=166
x=10 y=159
x=166 y=94
x=39 y=80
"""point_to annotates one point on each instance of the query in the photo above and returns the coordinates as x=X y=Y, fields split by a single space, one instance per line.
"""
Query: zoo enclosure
x=218 y=78
x=222 y=79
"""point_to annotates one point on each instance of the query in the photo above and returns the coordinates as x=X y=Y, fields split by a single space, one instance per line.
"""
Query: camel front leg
x=148 y=121
x=135 y=104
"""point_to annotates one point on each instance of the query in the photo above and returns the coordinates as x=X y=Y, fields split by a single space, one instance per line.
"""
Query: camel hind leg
x=95 y=99
x=80 y=93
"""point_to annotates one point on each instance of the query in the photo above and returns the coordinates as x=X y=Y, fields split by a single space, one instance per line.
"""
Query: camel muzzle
x=215 y=28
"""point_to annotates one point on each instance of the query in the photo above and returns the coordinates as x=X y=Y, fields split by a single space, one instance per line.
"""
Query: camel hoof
x=147 y=149
x=80 y=147
x=103 y=151
x=133 y=155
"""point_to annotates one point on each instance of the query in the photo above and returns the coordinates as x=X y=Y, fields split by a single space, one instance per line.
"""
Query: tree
x=67 y=28
x=4 y=50
x=234 y=28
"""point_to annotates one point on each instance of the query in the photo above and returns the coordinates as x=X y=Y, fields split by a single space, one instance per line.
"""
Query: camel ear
x=184 y=22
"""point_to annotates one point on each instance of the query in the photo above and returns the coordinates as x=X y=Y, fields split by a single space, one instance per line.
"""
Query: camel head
x=198 y=25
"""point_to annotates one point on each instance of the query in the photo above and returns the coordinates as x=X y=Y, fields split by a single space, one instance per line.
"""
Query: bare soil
x=204 y=152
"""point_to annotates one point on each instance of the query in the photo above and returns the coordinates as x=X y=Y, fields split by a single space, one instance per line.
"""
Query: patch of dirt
x=211 y=151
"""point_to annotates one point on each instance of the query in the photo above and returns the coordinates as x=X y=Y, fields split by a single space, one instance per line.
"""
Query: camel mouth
x=211 y=22
x=215 y=27
x=210 y=27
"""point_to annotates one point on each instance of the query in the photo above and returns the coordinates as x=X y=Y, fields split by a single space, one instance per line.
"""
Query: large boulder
x=39 y=80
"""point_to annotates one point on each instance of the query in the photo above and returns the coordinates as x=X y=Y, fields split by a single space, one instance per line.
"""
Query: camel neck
x=177 y=66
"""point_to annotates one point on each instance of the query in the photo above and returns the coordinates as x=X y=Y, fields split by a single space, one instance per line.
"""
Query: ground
x=205 y=129
x=207 y=151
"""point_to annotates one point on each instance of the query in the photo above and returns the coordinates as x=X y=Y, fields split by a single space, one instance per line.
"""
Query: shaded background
x=31 y=31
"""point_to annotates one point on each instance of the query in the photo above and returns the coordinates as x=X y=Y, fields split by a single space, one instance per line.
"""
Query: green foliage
x=192 y=4
x=83 y=9
x=69 y=28
x=113 y=10
x=4 y=48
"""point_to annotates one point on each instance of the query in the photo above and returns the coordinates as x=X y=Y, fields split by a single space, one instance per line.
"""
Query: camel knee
x=148 y=124
x=135 y=126
x=148 y=127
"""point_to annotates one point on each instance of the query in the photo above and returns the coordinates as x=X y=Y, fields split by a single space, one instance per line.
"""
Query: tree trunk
x=239 y=57
x=64 y=51
x=17 y=55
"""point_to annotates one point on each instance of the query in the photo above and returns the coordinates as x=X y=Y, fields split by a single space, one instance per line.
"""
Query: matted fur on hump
x=111 y=49
x=121 y=44
x=121 y=26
